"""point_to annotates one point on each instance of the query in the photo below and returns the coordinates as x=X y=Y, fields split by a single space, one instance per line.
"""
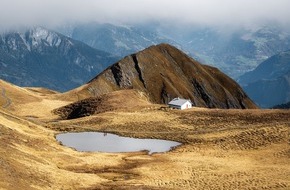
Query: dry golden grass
x=32 y=102
x=222 y=149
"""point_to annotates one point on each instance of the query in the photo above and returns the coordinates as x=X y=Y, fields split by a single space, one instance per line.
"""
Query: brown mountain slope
x=164 y=72
x=30 y=102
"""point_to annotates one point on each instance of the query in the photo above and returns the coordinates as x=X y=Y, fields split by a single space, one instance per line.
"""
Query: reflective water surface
x=105 y=142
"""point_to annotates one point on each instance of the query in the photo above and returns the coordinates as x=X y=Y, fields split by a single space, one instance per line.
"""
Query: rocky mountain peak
x=164 y=72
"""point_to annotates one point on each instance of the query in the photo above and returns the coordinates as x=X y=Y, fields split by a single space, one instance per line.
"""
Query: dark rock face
x=164 y=72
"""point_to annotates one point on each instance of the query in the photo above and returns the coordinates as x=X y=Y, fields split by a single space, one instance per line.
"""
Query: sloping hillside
x=163 y=72
x=269 y=84
x=274 y=67
x=30 y=102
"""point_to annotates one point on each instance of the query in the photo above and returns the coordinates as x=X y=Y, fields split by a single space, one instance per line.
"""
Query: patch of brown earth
x=118 y=100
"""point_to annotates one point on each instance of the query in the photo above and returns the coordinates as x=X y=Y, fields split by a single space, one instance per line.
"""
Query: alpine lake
x=106 y=142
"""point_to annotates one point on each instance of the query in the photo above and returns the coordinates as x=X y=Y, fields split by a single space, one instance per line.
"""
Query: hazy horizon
x=15 y=13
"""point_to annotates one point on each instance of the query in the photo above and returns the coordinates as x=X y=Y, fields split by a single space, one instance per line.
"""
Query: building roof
x=178 y=102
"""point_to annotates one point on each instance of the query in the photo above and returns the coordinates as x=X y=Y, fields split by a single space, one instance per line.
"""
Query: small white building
x=179 y=103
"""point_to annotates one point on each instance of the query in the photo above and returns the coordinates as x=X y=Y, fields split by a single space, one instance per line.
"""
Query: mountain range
x=269 y=84
x=41 y=57
x=118 y=40
x=234 y=51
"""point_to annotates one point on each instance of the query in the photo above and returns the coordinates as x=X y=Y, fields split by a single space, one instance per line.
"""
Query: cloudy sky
x=45 y=12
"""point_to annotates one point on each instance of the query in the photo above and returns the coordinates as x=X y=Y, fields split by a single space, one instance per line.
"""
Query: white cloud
x=45 y=12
